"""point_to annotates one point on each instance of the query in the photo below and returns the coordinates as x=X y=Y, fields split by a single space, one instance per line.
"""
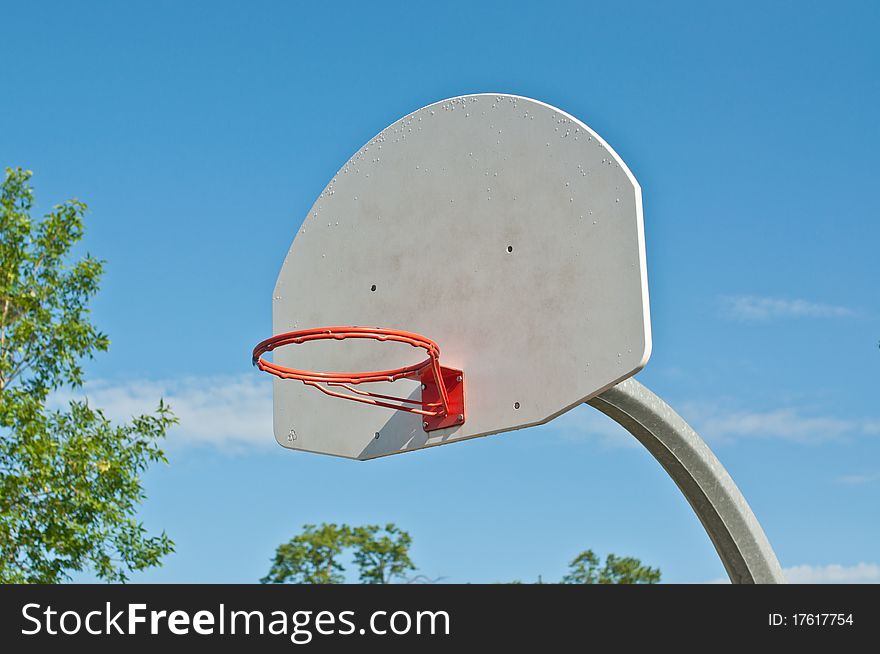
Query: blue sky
x=201 y=133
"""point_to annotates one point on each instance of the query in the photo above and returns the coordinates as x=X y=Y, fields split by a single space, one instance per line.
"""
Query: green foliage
x=381 y=555
x=312 y=557
x=69 y=479
x=585 y=569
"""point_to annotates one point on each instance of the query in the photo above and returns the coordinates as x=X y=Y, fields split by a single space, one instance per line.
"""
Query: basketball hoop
x=442 y=401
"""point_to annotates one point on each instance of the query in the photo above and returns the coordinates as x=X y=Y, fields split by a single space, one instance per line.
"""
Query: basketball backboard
x=501 y=228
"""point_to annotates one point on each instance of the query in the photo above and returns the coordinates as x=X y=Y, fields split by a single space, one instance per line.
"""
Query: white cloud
x=785 y=424
x=583 y=424
x=861 y=573
x=788 y=423
x=722 y=425
x=756 y=308
x=236 y=411
x=855 y=480
x=228 y=412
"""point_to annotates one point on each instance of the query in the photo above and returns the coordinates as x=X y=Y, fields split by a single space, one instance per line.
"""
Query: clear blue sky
x=200 y=134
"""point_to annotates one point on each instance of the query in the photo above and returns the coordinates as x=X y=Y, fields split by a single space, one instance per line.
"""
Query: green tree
x=312 y=557
x=586 y=569
x=382 y=555
x=69 y=478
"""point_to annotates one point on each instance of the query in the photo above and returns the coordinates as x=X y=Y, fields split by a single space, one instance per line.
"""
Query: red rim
x=315 y=379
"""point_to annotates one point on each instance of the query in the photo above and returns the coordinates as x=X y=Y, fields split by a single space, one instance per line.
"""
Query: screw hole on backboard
x=373 y=287
x=510 y=248
x=377 y=435
x=516 y=405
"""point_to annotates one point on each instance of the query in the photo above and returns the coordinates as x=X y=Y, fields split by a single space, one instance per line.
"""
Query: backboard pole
x=732 y=527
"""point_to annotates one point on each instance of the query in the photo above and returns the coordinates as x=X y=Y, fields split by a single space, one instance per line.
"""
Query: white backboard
x=500 y=227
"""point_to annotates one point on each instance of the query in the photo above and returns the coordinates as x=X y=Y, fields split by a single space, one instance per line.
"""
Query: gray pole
x=724 y=512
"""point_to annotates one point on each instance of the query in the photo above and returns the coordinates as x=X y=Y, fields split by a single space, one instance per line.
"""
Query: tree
x=69 y=478
x=311 y=557
x=381 y=555
x=584 y=569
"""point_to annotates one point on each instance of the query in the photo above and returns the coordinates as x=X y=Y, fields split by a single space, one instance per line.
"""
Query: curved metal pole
x=724 y=512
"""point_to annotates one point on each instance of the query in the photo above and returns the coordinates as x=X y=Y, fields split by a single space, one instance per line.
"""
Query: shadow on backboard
x=402 y=432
